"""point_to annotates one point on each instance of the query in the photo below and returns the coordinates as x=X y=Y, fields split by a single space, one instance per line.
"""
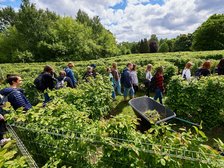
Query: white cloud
x=138 y=21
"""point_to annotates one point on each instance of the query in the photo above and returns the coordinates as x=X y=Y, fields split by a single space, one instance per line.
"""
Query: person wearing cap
x=70 y=73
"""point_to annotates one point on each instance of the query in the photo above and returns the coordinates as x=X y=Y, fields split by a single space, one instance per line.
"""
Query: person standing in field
x=220 y=67
x=46 y=81
x=112 y=82
x=204 y=70
x=89 y=73
x=17 y=99
x=116 y=76
x=148 y=77
x=134 y=78
x=159 y=85
x=70 y=73
x=186 y=74
x=62 y=79
x=127 y=81
x=94 y=73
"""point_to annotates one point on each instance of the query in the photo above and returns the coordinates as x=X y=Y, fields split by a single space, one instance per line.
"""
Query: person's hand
x=1 y=117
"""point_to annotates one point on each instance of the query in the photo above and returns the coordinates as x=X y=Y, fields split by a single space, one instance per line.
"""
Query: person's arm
x=188 y=74
x=147 y=75
x=69 y=82
x=18 y=101
x=50 y=81
x=183 y=73
x=71 y=76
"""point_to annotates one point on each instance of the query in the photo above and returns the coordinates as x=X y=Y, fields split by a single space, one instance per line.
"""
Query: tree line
x=36 y=35
x=208 y=36
x=32 y=34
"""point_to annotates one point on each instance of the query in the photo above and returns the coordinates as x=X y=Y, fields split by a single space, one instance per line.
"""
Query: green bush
x=202 y=99
x=9 y=157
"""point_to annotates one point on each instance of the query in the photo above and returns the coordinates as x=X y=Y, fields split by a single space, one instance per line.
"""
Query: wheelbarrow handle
x=196 y=124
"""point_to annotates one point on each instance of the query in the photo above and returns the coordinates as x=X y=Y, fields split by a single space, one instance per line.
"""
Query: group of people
x=204 y=70
x=128 y=79
x=46 y=80
x=153 y=83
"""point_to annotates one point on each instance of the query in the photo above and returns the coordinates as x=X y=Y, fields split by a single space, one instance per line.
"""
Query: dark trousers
x=2 y=128
x=135 y=88
x=158 y=94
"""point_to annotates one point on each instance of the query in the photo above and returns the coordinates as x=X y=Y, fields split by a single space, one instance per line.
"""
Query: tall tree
x=153 y=43
x=183 y=42
x=7 y=18
x=144 y=46
x=164 y=47
x=210 y=35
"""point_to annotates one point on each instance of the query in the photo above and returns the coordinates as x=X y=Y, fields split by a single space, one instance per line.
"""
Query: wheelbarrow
x=143 y=104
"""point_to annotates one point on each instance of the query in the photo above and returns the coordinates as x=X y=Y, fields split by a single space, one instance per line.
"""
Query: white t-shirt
x=187 y=74
x=148 y=75
x=134 y=77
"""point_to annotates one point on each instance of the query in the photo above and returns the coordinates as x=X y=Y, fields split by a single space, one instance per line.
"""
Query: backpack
x=198 y=72
x=4 y=98
x=122 y=79
x=152 y=84
x=38 y=82
x=60 y=84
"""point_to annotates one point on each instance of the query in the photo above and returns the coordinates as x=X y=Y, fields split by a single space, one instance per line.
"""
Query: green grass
x=122 y=107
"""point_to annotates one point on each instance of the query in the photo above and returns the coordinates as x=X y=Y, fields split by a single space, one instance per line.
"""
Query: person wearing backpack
x=148 y=77
x=116 y=76
x=46 y=80
x=186 y=74
x=70 y=73
x=220 y=67
x=62 y=80
x=159 y=86
x=17 y=99
x=127 y=81
x=204 y=70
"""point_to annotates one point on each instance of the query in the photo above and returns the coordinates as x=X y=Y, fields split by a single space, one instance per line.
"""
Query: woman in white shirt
x=186 y=74
x=148 y=78
x=148 y=72
x=134 y=78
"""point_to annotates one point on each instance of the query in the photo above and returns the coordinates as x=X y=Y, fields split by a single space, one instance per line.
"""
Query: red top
x=159 y=82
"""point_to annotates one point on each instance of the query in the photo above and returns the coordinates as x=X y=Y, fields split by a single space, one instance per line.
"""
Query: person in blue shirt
x=70 y=73
x=127 y=82
x=16 y=98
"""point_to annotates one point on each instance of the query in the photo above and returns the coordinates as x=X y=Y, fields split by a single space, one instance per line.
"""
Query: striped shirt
x=17 y=98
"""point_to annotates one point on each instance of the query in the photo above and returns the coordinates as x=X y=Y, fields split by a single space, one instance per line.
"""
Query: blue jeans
x=117 y=86
x=130 y=91
x=113 y=94
x=46 y=99
x=158 y=94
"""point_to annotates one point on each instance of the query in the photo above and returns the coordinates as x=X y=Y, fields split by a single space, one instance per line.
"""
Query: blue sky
x=132 y=20
x=122 y=5
x=12 y=3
